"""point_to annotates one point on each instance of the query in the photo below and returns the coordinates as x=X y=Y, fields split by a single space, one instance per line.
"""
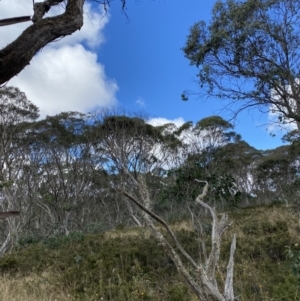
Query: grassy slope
x=128 y=265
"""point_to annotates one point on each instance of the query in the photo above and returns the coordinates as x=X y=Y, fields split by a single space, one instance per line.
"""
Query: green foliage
x=6 y=184
x=15 y=108
x=178 y=293
x=123 y=265
x=55 y=242
x=213 y=122
x=253 y=41
x=274 y=236
x=133 y=126
x=292 y=137
x=29 y=240
x=65 y=129
x=277 y=173
x=293 y=256
x=119 y=268
x=222 y=192
x=261 y=265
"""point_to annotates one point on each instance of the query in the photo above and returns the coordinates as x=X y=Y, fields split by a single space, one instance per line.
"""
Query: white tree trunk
x=202 y=280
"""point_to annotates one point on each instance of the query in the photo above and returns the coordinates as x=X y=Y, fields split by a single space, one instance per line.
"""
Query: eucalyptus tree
x=202 y=144
x=248 y=54
x=239 y=160
x=135 y=149
x=64 y=165
x=209 y=135
x=215 y=132
x=17 y=114
x=278 y=174
x=132 y=148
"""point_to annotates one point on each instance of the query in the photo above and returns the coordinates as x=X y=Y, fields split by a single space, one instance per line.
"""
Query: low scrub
x=128 y=265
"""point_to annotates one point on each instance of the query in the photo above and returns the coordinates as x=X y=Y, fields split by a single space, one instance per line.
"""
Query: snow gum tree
x=248 y=54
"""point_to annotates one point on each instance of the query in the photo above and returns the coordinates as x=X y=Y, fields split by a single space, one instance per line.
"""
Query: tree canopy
x=249 y=54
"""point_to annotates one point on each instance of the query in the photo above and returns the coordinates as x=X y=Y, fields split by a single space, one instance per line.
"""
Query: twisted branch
x=41 y=8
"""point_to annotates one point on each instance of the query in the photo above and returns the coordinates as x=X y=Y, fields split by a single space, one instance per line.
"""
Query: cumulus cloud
x=10 y=9
x=161 y=121
x=66 y=79
x=65 y=75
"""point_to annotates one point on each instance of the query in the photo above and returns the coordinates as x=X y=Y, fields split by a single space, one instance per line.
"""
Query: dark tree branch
x=15 y=20
x=9 y=214
x=17 y=55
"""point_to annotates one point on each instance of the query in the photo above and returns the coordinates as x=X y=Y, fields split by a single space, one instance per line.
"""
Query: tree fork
x=204 y=285
x=17 y=55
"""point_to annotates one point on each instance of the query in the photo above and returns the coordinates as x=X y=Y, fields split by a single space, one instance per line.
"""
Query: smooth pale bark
x=5 y=244
x=228 y=289
x=202 y=280
x=17 y=55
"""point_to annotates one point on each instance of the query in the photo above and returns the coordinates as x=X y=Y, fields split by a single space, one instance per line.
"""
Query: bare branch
x=204 y=192
x=9 y=214
x=165 y=225
x=228 y=289
x=205 y=286
x=218 y=228
x=15 y=20
x=17 y=55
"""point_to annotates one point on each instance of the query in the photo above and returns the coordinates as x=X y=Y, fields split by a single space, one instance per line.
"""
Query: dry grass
x=265 y=215
x=139 y=271
x=145 y=232
x=238 y=219
x=32 y=288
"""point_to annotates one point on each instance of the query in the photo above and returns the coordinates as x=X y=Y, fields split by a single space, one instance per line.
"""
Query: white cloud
x=91 y=31
x=10 y=9
x=66 y=79
x=65 y=75
x=161 y=121
x=278 y=121
x=140 y=102
x=196 y=142
x=275 y=126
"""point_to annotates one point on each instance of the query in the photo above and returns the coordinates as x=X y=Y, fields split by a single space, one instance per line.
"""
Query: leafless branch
x=15 y=20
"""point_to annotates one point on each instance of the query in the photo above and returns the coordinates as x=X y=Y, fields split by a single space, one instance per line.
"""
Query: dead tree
x=201 y=277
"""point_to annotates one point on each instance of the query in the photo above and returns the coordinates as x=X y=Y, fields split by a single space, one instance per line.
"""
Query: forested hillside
x=68 y=173
x=108 y=204
x=84 y=182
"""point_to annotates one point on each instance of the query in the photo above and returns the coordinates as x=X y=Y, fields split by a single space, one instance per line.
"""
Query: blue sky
x=136 y=64
x=145 y=57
